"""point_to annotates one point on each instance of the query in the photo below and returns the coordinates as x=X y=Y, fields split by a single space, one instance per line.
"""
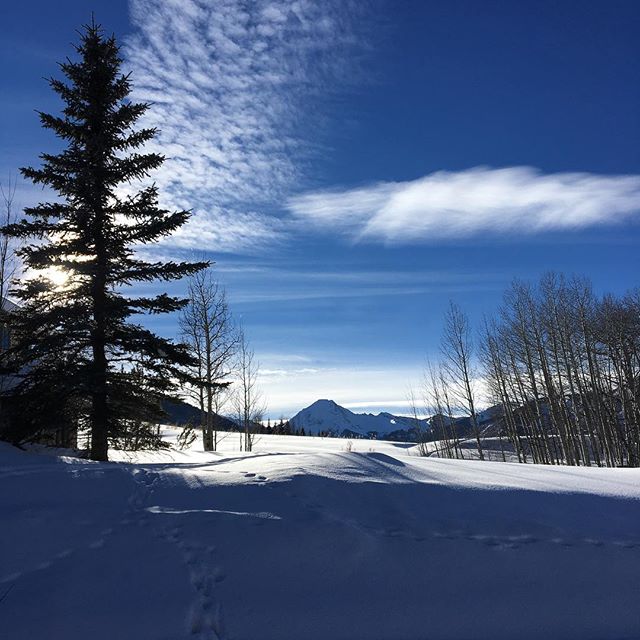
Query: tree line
x=559 y=364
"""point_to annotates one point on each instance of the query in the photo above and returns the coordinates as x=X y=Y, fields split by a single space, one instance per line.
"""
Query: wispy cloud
x=253 y=298
x=462 y=204
x=306 y=274
x=231 y=83
x=255 y=284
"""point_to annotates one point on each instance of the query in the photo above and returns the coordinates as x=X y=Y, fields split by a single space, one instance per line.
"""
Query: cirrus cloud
x=230 y=85
x=462 y=204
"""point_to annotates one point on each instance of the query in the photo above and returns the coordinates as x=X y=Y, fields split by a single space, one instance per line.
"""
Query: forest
x=560 y=367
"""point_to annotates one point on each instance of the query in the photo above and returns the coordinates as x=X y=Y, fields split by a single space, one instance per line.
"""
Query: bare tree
x=248 y=403
x=8 y=268
x=422 y=432
x=457 y=353
x=562 y=366
x=436 y=396
x=8 y=256
x=207 y=328
x=565 y=366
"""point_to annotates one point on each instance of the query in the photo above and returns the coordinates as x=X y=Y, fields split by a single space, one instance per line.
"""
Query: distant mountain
x=181 y=413
x=325 y=416
x=328 y=417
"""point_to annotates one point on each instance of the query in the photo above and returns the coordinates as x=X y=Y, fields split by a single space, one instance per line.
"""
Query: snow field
x=302 y=539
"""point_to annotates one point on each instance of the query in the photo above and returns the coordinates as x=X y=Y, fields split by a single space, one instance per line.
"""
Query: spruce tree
x=77 y=341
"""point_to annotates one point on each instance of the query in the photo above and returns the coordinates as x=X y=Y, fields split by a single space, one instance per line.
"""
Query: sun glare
x=58 y=277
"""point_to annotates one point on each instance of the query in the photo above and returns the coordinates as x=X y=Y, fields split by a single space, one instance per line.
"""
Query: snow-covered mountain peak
x=326 y=416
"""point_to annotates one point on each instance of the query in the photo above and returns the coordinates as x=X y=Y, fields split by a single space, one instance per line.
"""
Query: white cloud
x=373 y=387
x=463 y=204
x=361 y=388
x=228 y=231
x=230 y=84
x=253 y=298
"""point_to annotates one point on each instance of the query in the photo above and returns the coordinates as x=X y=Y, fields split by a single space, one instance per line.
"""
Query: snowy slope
x=325 y=416
x=303 y=540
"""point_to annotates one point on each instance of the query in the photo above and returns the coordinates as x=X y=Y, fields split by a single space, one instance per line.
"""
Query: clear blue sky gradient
x=447 y=86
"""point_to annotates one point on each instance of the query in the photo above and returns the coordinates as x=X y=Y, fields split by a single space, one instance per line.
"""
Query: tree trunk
x=99 y=419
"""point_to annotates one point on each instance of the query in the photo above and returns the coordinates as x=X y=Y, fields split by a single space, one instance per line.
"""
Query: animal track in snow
x=94 y=544
x=516 y=541
x=496 y=541
x=626 y=544
x=251 y=474
x=204 y=618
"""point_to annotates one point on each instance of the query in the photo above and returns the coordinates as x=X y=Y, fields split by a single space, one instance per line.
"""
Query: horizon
x=352 y=167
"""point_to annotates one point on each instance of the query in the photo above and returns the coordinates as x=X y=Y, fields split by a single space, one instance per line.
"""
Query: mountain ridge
x=326 y=416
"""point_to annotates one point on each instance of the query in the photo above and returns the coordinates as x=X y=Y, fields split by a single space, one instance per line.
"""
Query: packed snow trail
x=301 y=540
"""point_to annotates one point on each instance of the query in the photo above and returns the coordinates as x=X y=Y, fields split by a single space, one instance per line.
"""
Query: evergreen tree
x=77 y=338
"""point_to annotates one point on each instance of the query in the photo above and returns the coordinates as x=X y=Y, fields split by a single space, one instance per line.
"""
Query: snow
x=302 y=539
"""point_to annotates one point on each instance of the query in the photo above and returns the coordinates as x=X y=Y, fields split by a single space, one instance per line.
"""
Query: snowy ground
x=303 y=540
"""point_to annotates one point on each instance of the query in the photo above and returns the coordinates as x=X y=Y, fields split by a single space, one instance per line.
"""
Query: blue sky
x=353 y=166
